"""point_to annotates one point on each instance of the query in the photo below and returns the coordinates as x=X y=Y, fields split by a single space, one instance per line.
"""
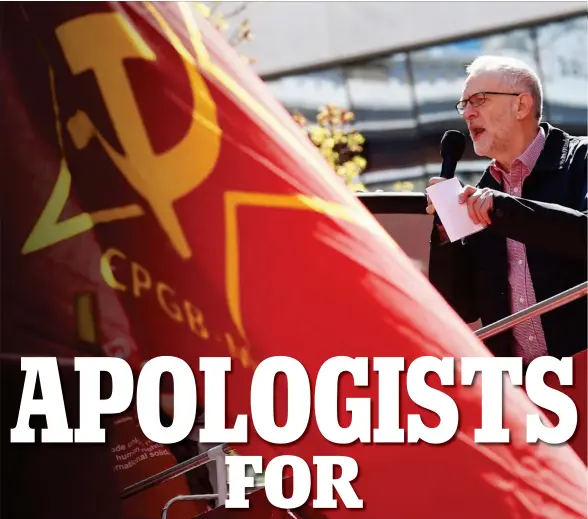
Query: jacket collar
x=551 y=160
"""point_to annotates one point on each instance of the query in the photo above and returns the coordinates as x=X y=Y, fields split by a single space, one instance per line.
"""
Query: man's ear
x=525 y=106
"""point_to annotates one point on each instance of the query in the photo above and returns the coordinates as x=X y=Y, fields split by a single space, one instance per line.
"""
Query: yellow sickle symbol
x=101 y=43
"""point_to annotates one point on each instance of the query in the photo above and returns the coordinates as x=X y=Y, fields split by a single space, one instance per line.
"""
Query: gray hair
x=516 y=73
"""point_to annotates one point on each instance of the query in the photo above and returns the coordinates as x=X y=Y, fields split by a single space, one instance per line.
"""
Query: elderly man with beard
x=532 y=200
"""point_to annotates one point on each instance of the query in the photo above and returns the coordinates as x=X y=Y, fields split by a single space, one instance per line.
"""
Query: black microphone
x=452 y=148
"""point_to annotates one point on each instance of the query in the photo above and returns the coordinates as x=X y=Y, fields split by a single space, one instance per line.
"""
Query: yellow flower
x=351 y=170
x=333 y=133
x=341 y=171
x=356 y=139
x=323 y=118
x=204 y=10
x=328 y=143
x=403 y=186
x=300 y=119
x=360 y=162
x=348 y=117
x=220 y=23
x=318 y=135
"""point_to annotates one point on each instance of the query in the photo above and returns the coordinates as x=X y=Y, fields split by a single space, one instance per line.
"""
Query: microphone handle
x=448 y=168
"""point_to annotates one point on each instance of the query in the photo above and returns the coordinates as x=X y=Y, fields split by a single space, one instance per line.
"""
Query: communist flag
x=153 y=177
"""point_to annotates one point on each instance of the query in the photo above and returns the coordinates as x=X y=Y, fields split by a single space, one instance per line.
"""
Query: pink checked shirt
x=529 y=337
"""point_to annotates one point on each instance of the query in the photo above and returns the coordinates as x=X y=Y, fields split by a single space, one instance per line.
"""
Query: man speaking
x=532 y=200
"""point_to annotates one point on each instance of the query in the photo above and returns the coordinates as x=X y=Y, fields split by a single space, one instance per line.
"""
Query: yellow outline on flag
x=236 y=199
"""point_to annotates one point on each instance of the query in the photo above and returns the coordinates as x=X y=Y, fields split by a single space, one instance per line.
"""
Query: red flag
x=151 y=171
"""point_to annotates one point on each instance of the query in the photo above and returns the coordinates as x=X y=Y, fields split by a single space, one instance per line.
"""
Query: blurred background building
x=400 y=67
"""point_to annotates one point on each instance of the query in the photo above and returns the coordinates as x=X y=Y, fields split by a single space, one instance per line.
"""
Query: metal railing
x=533 y=311
x=197 y=497
x=179 y=499
x=216 y=453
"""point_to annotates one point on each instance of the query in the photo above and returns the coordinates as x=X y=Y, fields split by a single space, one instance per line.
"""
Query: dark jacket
x=551 y=220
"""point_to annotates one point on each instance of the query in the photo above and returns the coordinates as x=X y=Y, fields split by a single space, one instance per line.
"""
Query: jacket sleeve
x=450 y=272
x=552 y=227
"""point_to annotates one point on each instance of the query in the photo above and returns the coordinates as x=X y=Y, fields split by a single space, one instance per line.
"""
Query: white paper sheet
x=453 y=215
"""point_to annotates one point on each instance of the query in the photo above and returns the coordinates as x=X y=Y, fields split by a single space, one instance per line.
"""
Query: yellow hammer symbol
x=160 y=179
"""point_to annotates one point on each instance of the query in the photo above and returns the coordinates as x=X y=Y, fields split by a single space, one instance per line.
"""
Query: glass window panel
x=382 y=100
x=307 y=93
x=563 y=54
x=380 y=93
x=439 y=73
x=513 y=44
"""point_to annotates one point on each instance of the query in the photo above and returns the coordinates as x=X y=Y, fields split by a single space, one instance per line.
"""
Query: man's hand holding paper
x=462 y=211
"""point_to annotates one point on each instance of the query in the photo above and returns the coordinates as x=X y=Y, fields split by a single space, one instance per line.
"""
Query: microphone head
x=453 y=144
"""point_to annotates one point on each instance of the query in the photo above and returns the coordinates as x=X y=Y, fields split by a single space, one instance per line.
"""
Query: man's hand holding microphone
x=480 y=202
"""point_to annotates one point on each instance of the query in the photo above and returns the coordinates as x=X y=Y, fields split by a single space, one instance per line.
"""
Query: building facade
x=400 y=67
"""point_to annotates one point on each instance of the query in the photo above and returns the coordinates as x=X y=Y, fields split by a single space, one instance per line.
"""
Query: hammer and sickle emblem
x=100 y=43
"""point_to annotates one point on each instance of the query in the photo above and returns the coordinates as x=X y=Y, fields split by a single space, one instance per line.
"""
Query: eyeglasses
x=478 y=99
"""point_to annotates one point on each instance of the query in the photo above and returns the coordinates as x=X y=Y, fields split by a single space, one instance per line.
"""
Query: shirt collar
x=529 y=157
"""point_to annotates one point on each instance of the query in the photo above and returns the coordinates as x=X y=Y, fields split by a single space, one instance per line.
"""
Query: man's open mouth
x=476 y=132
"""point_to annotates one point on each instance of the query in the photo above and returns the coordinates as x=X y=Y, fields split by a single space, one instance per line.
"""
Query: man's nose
x=469 y=112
